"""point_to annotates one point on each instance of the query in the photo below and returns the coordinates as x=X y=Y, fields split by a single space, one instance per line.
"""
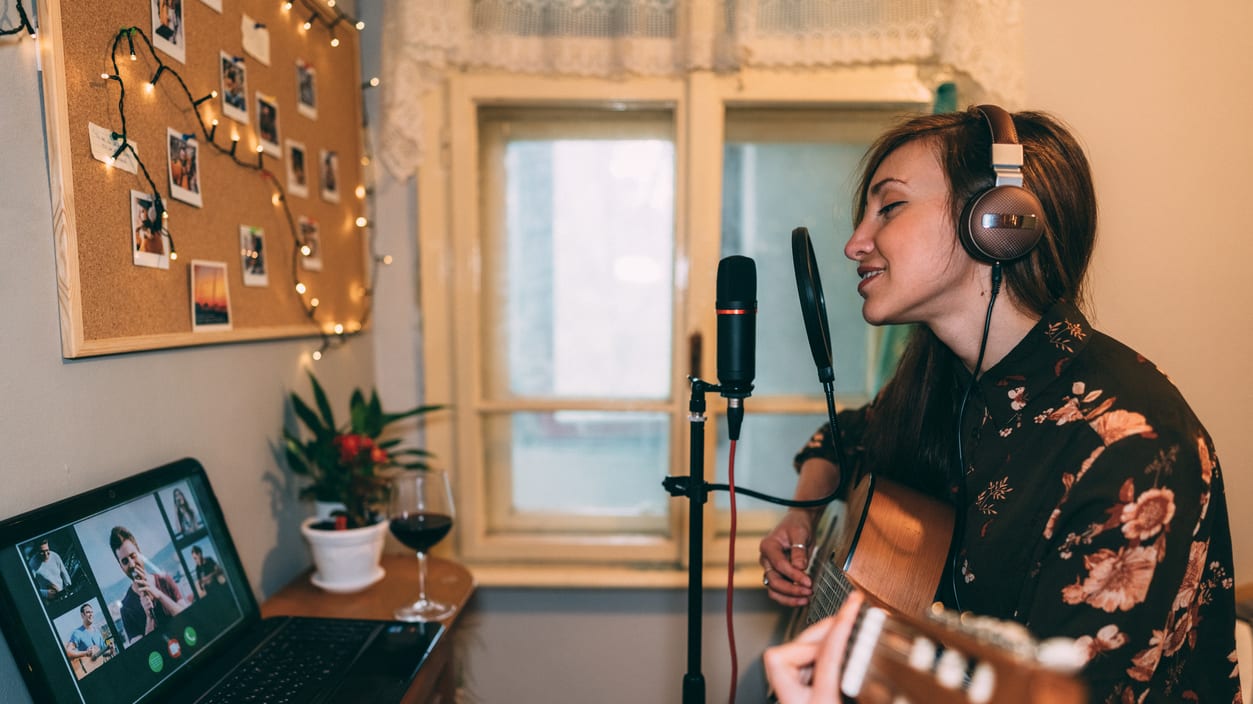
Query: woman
x=187 y=521
x=1088 y=497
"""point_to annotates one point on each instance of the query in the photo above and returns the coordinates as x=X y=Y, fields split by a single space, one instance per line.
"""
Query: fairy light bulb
x=334 y=41
x=387 y=259
x=314 y=302
x=300 y=287
x=339 y=328
x=287 y=6
x=361 y=221
x=360 y=25
x=173 y=255
x=360 y=191
x=306 y=250
x=317 y=355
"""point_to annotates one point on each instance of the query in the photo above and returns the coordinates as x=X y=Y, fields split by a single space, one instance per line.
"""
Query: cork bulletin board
x=247 y=121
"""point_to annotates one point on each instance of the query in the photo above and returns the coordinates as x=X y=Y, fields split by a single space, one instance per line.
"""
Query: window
x=570 y=243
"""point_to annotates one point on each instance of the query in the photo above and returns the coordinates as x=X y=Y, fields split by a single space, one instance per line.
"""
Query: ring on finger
x=798 y=546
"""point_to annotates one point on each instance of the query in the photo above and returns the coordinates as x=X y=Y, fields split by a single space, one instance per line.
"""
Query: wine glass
x=420 y=514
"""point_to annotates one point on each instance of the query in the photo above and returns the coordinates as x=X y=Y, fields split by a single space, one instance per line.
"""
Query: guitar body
x=891 y=540
x=891 y=543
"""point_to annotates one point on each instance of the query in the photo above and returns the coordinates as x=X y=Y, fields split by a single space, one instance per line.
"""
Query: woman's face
x=911 y=266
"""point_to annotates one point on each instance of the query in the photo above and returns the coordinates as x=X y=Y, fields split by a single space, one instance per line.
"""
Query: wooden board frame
x=108 y=303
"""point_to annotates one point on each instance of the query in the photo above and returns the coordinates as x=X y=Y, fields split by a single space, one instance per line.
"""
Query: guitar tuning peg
x=1061 y=654
x=950 y=671
x=982 y=684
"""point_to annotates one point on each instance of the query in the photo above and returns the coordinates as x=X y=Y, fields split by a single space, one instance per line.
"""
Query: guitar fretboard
x=831 y=588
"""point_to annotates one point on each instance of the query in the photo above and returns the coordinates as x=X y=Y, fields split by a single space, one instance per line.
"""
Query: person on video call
x=153 y=597
x=187 y=521
x=86 y=644
x=209 y=575
x=1088 y=496
x=51 y=577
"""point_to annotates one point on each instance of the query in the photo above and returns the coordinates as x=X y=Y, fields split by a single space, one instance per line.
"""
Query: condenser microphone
x=736 y=305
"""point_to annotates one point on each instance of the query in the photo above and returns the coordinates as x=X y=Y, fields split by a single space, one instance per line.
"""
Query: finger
x=788 y=667
x=829 y=661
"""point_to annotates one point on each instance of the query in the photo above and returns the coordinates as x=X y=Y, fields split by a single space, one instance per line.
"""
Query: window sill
x=606 y=577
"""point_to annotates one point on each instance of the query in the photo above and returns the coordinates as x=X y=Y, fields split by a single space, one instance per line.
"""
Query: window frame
x=448 y=196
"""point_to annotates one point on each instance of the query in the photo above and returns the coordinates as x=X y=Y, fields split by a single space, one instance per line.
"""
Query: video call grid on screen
x=92 y=612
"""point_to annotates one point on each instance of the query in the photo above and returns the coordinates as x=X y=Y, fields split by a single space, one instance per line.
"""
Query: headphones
x=1005 y=221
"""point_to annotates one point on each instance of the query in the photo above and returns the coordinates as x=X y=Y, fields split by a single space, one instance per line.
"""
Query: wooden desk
x=446 y=581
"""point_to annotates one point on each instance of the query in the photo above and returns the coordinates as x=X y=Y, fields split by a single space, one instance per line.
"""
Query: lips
x=867 y=274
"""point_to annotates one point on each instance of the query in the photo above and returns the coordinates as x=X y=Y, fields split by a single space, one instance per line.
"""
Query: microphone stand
x=696 y=490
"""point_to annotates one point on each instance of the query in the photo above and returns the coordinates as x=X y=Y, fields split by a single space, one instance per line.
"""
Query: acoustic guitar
x=891 y=542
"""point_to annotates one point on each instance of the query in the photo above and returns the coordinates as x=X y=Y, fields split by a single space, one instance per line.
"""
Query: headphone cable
x=960 y=481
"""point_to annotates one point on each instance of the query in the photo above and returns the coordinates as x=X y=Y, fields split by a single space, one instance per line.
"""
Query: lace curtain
x=979 y=40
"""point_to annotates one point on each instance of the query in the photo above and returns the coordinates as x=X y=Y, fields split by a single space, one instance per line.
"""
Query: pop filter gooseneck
x=814 y=312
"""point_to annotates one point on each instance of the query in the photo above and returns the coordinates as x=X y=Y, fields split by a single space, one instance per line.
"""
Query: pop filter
x=813 y=307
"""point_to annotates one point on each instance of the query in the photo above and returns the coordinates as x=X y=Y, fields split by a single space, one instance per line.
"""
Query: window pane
x=590 y=464
x=769 y=190
x=763 y=455
x=582 y=267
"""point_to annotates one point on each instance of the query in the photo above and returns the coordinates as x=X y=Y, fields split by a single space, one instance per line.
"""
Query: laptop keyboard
x=296 y=664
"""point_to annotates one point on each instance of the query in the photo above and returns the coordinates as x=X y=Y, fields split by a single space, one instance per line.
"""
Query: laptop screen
x=112 y=595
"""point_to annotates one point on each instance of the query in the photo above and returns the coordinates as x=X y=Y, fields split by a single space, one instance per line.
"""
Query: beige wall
x=1162 y=97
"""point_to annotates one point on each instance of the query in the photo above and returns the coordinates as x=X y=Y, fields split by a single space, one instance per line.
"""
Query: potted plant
x=348 y=465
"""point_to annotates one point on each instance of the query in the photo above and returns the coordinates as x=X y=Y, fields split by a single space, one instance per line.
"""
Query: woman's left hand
x=808 y=669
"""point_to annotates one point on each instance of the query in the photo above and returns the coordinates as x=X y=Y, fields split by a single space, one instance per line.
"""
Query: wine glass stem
x=421 y=576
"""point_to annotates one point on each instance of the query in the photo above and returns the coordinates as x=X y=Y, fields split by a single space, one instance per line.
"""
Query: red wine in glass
x=421 y=531
x=420 y=515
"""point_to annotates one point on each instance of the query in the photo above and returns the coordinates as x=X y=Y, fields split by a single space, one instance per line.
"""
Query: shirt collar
x=1038 y=360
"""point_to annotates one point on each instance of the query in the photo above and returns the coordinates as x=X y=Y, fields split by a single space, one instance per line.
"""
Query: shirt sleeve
x=1124 y=567
x=852 y=426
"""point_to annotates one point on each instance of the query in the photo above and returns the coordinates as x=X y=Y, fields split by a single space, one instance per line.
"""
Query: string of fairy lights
x=23 y=23
x=134 y=37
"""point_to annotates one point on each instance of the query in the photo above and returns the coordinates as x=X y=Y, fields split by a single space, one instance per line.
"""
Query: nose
x=861 y=242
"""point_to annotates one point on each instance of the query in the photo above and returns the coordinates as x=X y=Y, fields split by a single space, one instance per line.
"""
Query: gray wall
x=67 y=426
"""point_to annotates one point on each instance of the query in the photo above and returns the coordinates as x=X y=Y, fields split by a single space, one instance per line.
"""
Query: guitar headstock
x=957 y=658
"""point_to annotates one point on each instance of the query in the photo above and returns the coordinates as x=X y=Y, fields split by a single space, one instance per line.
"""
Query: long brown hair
x=911 y=432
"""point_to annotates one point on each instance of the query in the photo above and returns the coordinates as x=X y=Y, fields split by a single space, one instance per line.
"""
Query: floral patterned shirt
x=1095 y=510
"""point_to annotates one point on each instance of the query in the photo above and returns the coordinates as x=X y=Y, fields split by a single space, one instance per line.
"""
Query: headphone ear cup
x=1001 y=224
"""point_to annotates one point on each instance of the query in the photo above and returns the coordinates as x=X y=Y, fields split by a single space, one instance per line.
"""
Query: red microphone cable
x=731 y=576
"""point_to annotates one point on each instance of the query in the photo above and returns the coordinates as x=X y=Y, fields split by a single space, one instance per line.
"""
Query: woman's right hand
x=785 y=557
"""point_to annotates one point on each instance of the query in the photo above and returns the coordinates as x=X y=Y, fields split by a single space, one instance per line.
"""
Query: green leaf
x=319 y=396
x=357 y=408
x=390 y=418
x=374 y=418
x=310 y=419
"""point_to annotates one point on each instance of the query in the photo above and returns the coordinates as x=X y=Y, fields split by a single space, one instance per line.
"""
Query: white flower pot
x=345 y=560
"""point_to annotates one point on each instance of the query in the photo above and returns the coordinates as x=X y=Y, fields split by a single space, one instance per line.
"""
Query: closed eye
x=886 y=210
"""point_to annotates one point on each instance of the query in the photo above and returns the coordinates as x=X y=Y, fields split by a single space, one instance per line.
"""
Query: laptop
x=134 y=592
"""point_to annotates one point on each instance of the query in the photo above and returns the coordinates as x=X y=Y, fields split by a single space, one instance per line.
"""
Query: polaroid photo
x=297 y=169
x=311 y=237
x=267 y=124
x=329 y=177
x=252 y=256
x=210 y=296
x=234 y=88
x=184 y=161
x=149 y=242
x=306 y=89
x=168 y=33
x=255 y=37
